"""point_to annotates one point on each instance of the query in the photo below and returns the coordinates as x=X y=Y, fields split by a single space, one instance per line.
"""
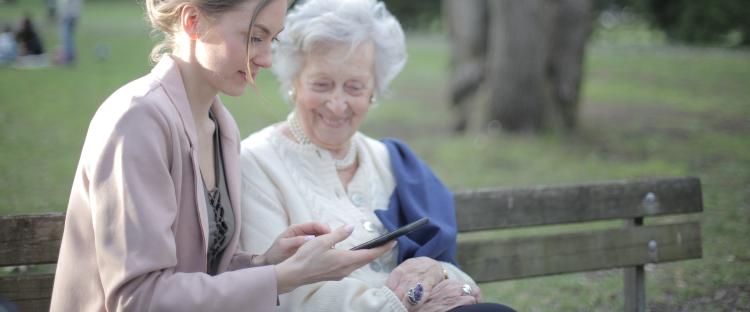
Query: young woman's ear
x=189 y=18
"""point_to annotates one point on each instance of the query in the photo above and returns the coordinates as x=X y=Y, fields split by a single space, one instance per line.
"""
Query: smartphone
x=392 y=235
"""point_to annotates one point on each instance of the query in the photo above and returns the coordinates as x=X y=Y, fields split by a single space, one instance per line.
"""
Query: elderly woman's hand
x=446 y=295
x=423 y=270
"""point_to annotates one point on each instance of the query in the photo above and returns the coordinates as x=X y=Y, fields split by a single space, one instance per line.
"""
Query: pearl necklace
x=301 y=138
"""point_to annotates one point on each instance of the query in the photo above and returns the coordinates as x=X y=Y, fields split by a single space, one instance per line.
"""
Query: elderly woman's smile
x=334 y=122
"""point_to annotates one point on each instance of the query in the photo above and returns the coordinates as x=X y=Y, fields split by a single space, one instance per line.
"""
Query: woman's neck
x=199 y=93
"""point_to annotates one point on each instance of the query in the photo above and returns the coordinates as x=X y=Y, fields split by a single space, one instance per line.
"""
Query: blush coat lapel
x=170 y=77
x=230 y=135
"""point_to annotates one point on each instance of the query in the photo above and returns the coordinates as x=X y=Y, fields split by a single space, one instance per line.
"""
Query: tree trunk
x=518 y=48
x=530 y=67
x=565 y=65
x=467 y=22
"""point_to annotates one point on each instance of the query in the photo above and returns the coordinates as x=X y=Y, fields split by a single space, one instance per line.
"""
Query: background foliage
x=715 y=22
x=701 y=22
x=415 y=14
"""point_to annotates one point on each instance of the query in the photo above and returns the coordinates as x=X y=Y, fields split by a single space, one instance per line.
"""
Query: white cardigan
x=286 y=183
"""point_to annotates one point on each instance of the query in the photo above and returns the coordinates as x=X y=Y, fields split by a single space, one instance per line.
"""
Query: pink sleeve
x=134 y=205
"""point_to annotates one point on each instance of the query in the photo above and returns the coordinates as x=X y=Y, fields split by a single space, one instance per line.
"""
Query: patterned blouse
x=221 y=223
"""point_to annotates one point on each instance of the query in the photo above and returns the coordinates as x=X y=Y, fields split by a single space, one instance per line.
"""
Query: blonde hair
x=164 y=16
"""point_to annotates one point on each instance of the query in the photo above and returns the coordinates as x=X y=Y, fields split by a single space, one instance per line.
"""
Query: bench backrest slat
x=28 y=292
x=30 y=239
x=517 y=207
x=503 y=259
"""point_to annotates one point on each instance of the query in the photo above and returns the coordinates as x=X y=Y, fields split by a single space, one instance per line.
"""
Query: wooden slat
x=30 y=239
x=28 y=292
x=516 y=207
x=519 y=257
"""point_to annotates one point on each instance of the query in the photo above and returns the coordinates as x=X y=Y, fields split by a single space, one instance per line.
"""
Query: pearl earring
x=291 y=93
x=372 y=99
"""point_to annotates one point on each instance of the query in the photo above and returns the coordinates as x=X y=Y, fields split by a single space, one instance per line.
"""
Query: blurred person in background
x=30 y=48
x=68 y=13
x=29 y=42
x=8 y=45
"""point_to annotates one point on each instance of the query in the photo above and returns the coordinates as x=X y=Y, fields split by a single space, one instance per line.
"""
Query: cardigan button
x=357 y=199
x=369 y=226
x=375 y=266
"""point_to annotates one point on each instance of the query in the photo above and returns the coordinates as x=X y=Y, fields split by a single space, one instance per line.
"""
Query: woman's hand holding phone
x=287 y=243
x=317 y=260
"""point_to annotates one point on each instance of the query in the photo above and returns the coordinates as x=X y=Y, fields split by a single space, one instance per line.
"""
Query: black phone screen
x=392 y=235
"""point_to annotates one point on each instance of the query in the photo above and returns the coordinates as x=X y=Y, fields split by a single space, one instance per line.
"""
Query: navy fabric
x=419 y=194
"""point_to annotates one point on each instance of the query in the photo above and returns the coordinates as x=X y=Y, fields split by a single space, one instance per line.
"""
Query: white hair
x=351 y=22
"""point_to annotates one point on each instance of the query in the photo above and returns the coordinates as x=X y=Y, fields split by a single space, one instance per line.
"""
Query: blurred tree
x=700 y=21
x=525 y=57
x=694 y=21
x=468 y=26
x=414 y=14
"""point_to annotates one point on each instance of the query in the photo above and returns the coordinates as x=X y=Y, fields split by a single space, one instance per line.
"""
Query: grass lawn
x=648 y=110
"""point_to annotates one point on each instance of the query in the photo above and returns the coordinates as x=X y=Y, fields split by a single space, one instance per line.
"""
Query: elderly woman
x=333 y=58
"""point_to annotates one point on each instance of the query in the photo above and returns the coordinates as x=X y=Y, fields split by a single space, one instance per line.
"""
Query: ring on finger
x=466 y=290
x=414 y=295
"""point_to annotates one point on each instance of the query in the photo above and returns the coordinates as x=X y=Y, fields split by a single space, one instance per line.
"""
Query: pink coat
x=136 y=228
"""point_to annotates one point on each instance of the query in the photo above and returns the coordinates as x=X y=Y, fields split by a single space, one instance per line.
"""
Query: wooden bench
x=488 y=257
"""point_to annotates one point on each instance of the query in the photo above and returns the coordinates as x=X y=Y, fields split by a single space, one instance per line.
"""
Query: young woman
x=153 y=218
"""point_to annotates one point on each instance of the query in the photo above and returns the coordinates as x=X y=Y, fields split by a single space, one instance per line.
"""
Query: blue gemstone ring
x=415 y=294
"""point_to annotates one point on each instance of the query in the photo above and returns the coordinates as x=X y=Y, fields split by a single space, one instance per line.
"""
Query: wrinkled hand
x=422 y=270
x=476 y=291
x=446 y=295
x=317 y=261
x=287 y=243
